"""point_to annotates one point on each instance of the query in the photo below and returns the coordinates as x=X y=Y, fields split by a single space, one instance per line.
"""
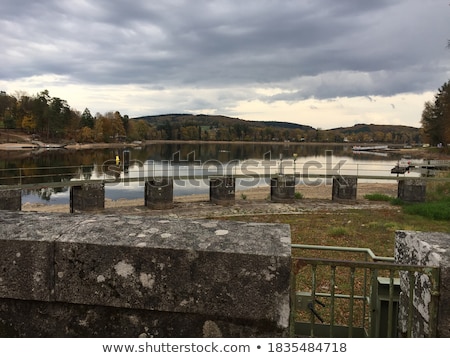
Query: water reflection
x=255 y=161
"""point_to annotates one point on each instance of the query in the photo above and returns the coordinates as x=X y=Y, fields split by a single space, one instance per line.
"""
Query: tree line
x=51 y=118
x=436 y=117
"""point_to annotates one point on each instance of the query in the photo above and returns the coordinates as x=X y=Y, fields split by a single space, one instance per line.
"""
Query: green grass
x=378 y=197
x=364 y=228
x=437 y=204
x=368 y=228
x=436 y=210
x=338 y=231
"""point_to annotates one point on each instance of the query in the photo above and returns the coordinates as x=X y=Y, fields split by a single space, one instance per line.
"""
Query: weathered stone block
x=56 y=319
x=11 y=199
x=175 y=277
x=26 y=256
x=427 y=249
x=412 y=190
x=222 y=190
x=282 y=189
x=344 y=188
x=87 y=197
x=159 y=194
x=203 y=266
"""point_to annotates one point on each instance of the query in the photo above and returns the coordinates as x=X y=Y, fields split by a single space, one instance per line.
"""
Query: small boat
x=42 y=145
x=55 y=146
x=358 y=148
x=399 y=170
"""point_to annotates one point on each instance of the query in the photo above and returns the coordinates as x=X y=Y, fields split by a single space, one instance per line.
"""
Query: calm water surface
x=180 y=159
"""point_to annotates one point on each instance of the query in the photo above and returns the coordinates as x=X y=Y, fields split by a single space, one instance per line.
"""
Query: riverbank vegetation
x=52 y=119
x=363 y=228
x=369 y=228
x=437 y=204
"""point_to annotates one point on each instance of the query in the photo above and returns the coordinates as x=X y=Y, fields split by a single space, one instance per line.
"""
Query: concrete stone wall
x=158 y=194
x=222 y=190
x=344 y=188
x=412 y=190
x=128 y=276
x=282 y=189
x=87 y=197
x=427 y=249
x=11 y=199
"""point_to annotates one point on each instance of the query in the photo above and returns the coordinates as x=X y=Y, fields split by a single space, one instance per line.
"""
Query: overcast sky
x=324 y=63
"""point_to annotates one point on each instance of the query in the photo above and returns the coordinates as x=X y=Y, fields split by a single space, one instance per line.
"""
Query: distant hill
x=378 y=133
x=220 y=128
x=359 y=128
x=286 y=125
x=205 y=120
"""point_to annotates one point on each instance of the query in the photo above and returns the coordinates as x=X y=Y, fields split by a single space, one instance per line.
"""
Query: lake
x=256 y=162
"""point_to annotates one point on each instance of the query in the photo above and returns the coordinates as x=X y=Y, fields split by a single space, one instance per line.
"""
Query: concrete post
x=159 y=194
x=126 y=161
x=282 y=189
x=344 y=188
x=222 y=190
x=412 y=190
x=425 y=249
x=87 y=197
x=11 y=199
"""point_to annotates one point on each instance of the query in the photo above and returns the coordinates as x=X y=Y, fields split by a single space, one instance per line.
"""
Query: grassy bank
x=374 y=229
x=437 y=204
x=369 y=228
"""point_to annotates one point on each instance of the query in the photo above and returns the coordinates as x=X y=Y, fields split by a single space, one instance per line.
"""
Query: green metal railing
x=360 y=298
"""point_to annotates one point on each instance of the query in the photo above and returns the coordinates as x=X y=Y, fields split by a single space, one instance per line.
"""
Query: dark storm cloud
x=320 y=49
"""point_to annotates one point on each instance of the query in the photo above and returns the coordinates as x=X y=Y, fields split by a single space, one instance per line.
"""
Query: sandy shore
x=247 y=202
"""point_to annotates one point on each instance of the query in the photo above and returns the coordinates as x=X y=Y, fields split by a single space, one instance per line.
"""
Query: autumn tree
x=108 y=127
x=28 y=123
x=24 y=107
x=436 y=117
x=139 y=130
x=87 y=120
x=86 y=134
x=117 y=123
x=59 y=116
x=40 y=111
x=7 y=109
x=102 y=129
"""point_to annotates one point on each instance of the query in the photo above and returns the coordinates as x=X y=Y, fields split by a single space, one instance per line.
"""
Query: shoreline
x=28 y=146
x=31 y=148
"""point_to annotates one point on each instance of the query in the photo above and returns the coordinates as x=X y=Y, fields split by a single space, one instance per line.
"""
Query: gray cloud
x=320 y=49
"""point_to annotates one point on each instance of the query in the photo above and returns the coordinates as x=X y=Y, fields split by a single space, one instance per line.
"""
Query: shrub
x=338 y=231
x=377 y=197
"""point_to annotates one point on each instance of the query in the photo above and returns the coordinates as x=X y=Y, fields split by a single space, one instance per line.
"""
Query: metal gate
x=360 y=296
